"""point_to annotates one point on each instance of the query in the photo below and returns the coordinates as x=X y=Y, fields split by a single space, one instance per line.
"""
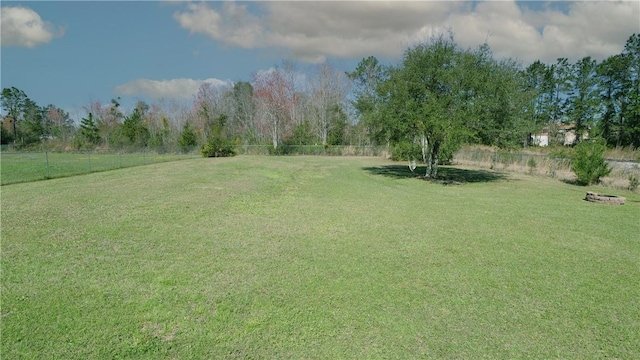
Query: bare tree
x=328 y=88
x=275 y=102
x=244 y=111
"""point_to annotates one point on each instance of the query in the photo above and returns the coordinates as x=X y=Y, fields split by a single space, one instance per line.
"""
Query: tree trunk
x=432 y=167
x=275 y=137
x=324 y=132
x=428 y=162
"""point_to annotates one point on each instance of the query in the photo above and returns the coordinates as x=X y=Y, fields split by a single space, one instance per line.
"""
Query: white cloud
x=314 y=31
x=584 y=30
x=166 y=89
x=235 y=26
x=21 y=26
x=587 y=29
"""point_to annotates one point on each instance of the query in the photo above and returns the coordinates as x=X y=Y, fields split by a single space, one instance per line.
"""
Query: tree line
x=280 y=106
x=437 y=97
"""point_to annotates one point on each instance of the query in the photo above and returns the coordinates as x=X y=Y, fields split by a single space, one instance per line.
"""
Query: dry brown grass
x=543 y=163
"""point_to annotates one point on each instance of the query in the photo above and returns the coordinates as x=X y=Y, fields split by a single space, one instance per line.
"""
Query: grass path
x=315 y=257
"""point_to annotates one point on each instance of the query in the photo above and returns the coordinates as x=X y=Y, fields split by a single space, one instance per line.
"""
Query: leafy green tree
x=35 y=125
x=13 y=101
x=497 y=98
x=427 y=100
x=440 y=96
x=367 y=80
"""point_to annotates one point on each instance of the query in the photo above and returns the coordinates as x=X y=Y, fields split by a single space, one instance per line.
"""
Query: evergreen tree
x=89 y=134
x=188 y=138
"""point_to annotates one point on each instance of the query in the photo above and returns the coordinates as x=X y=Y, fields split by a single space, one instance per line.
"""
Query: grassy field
x=31 y=166
x=316 y=257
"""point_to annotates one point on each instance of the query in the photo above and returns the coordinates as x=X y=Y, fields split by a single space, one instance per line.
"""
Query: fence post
x=553 y=174
x=46 y=155
x=89 y=153
x=120 y=157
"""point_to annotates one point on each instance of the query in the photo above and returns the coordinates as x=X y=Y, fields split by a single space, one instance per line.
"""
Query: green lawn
x=316 y=257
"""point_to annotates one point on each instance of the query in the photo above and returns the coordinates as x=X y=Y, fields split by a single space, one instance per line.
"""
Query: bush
x=633 y=183
x=280 y=150
x=589 y=164
x=218 y=147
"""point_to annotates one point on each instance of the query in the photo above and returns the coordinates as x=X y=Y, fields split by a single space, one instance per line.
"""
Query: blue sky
x=71 y=53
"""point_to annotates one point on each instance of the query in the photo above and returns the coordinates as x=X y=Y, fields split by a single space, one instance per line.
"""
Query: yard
x=316 y=257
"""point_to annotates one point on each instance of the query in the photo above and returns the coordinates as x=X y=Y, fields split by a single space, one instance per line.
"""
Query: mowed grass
x=19 y=167
x=316 y=257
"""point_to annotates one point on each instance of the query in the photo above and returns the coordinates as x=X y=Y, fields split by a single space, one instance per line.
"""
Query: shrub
x=218 y=147
x=589 y=164
x=280 y=150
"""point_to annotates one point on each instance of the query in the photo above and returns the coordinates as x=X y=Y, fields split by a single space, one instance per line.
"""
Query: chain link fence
x=329 y=150
x=31 y=166
x=22 y=166
x=558 y=167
